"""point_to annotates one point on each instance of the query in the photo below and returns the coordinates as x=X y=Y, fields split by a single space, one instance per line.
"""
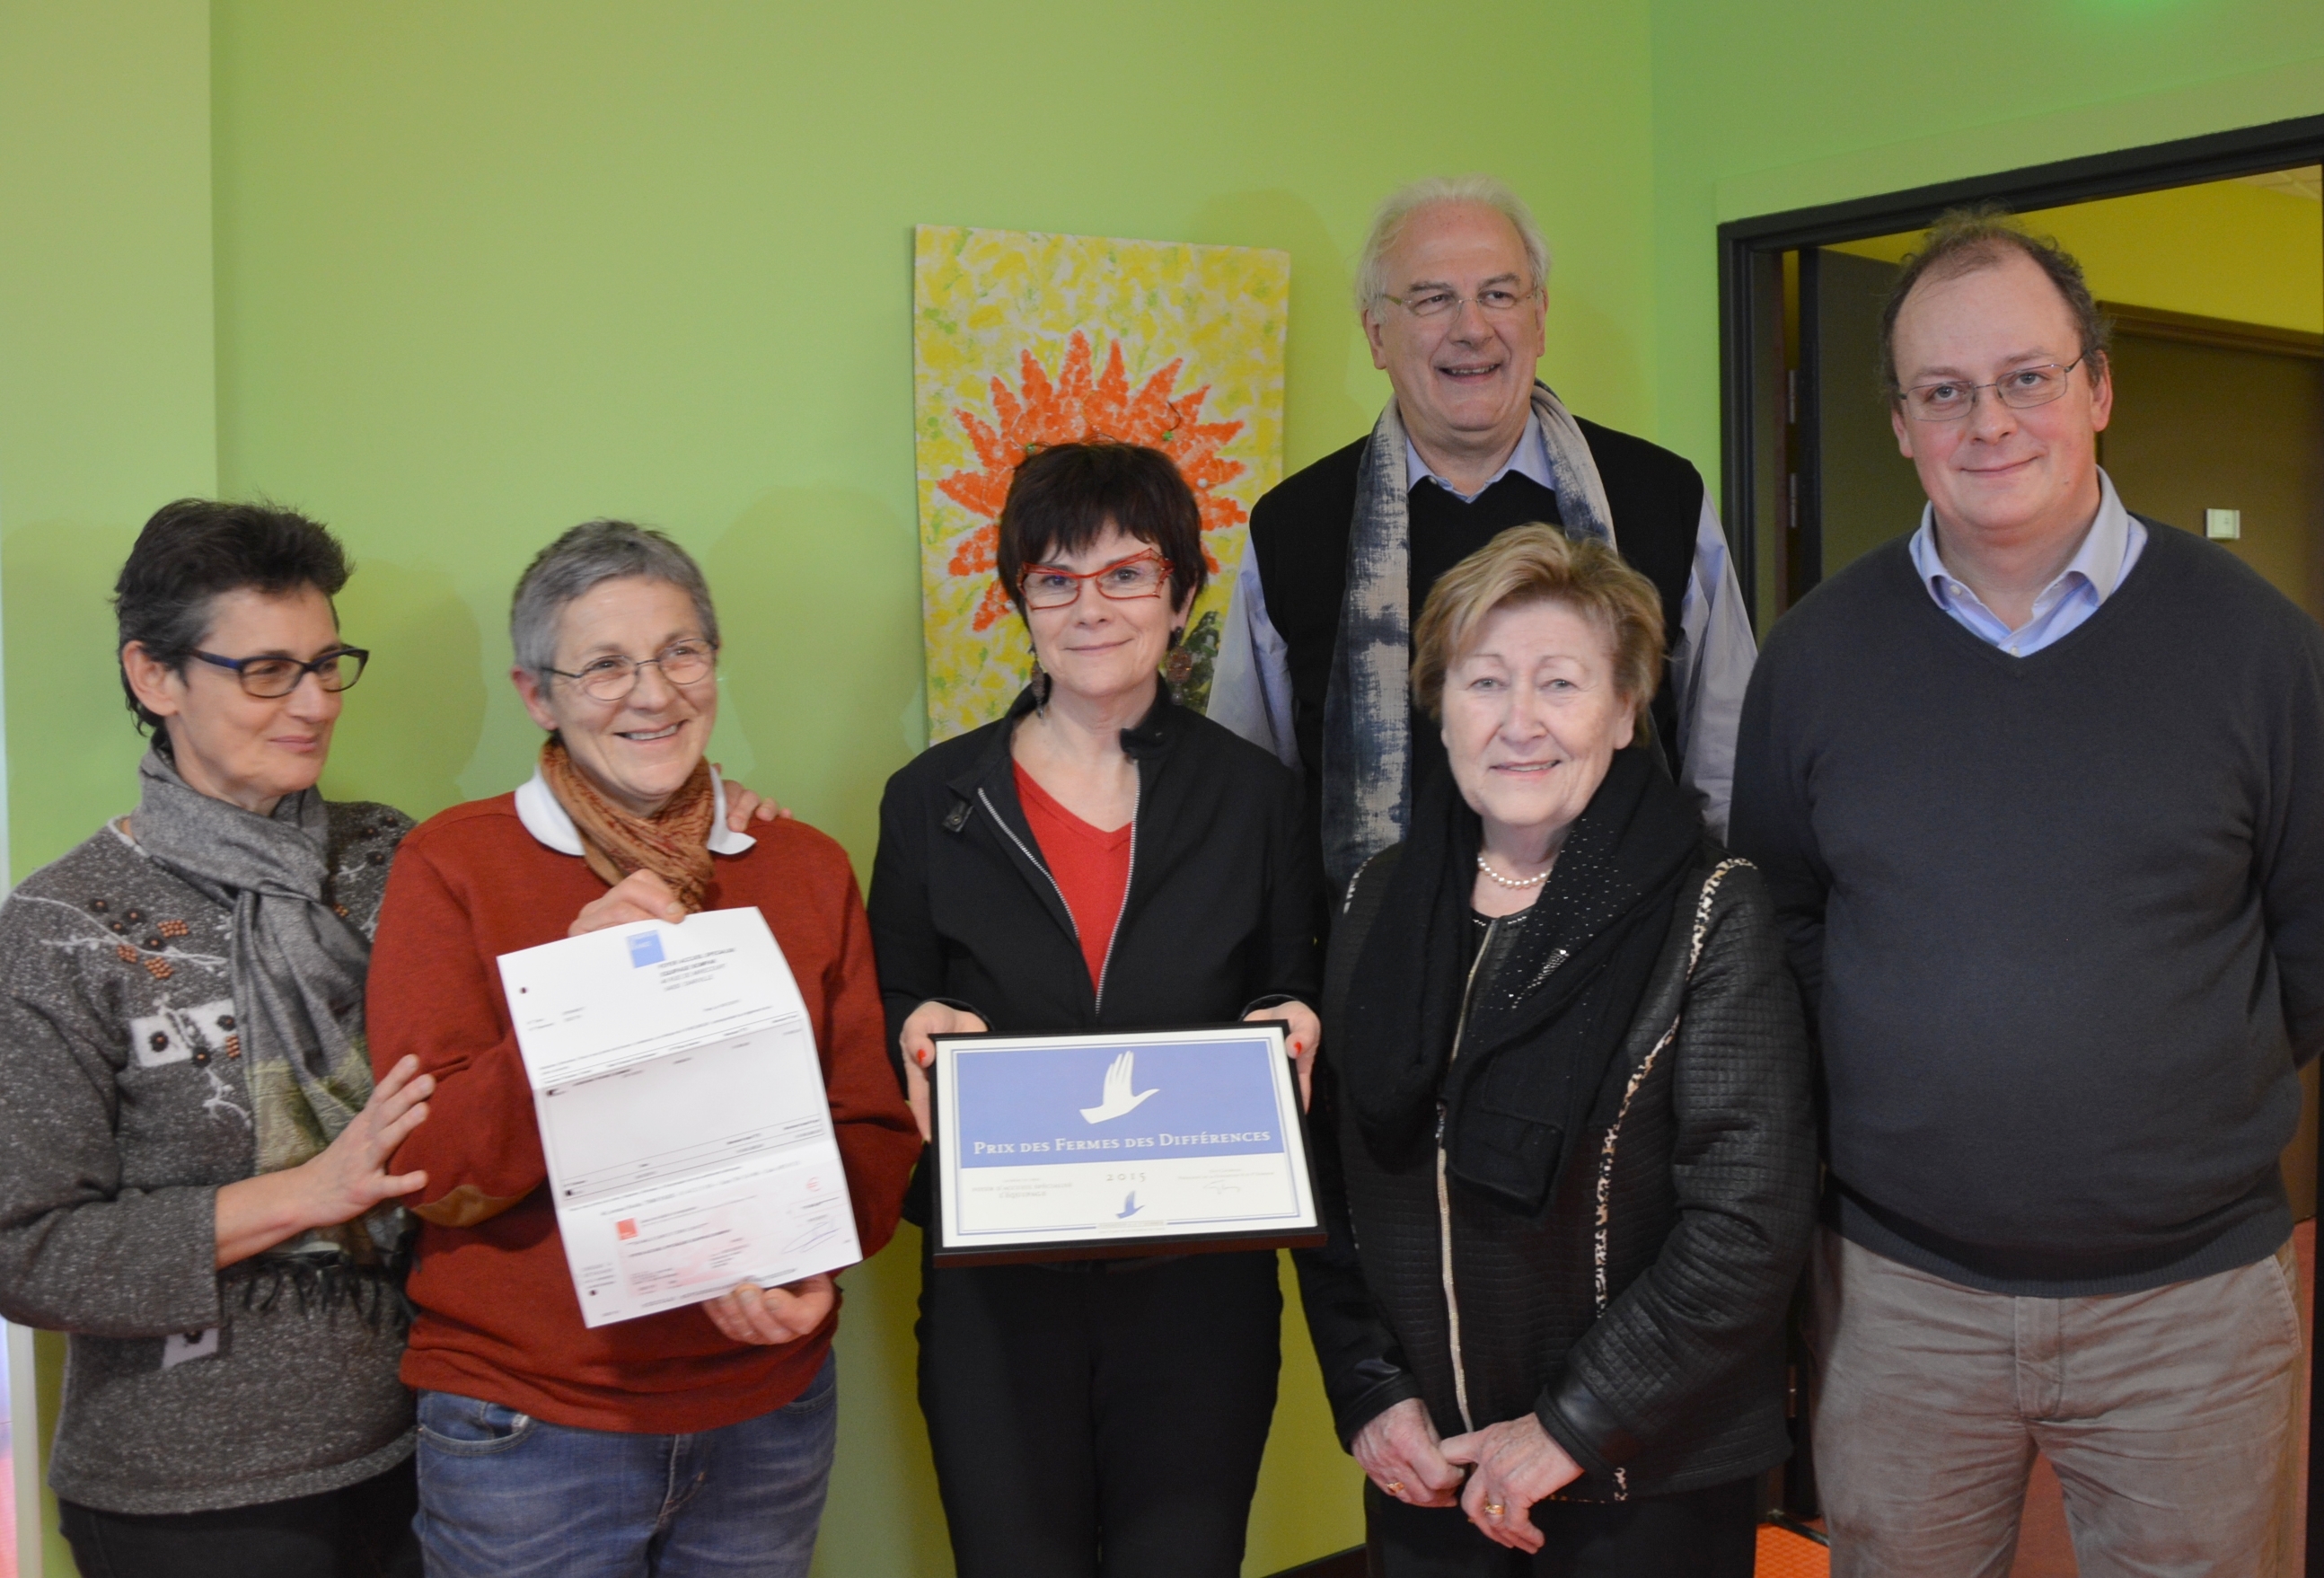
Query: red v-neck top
x=1092 y=867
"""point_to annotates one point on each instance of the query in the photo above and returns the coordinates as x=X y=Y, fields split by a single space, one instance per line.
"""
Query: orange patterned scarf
x=674 y=844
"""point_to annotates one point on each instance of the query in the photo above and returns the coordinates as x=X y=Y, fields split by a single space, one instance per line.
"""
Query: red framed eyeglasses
x=1141 y=575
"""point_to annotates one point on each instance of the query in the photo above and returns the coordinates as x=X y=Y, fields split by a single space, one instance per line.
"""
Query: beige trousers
x=2169 y=1415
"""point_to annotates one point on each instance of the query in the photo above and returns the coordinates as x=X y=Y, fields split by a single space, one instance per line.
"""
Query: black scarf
x=1542 y=1031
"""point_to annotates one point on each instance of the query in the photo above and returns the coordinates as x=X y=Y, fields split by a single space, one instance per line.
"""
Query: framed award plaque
x=1068 y=1147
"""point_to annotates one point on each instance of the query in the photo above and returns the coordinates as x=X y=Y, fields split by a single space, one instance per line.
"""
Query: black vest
x=1299 y=537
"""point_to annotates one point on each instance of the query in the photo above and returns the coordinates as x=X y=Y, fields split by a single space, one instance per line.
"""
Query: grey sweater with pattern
x=123 y=1110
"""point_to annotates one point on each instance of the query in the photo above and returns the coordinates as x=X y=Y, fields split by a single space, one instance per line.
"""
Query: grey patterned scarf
x=1367 y=707
x=298 y=968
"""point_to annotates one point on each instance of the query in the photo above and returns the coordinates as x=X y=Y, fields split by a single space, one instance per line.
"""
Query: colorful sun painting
x=1020 y=340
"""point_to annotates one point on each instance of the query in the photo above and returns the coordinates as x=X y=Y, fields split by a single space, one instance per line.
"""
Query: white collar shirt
x=537 y=807
x=1529 y=459
x=2109 y=549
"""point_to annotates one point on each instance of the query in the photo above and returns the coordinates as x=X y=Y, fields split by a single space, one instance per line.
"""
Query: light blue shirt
x=2109 y=549
x=1529 y=459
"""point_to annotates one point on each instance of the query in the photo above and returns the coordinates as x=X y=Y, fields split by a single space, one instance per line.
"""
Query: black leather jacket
x=1640 y=1317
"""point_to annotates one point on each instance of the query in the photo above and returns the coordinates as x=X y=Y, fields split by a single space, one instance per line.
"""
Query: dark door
x=1866 y=490
x=2221 y=425
x=2215 y=417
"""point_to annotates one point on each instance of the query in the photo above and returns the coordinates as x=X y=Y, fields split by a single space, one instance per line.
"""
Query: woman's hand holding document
x=683 y=1115
x=772 y=1315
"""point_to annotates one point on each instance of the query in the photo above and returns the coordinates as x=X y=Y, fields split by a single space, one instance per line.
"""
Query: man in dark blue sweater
x=2041 y=795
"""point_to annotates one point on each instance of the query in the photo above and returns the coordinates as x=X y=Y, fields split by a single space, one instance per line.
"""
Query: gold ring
x=1493 y=1509
x=1395 y=1487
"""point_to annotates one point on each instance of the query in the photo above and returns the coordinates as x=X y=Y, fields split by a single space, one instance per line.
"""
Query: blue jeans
x=504 y=1495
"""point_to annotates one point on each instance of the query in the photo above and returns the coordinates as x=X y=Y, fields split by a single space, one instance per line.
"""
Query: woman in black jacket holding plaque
x=1099 y=859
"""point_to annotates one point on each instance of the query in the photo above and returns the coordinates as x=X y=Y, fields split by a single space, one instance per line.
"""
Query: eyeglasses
x=1493 y=301
x=269 y=678
x=1952 y=399
x=1141 y=575
x=613 y=678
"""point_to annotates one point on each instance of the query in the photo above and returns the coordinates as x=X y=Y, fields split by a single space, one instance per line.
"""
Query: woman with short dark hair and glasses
x=1101 y=858
x=194 y=1185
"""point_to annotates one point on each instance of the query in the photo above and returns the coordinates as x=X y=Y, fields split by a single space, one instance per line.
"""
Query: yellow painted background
x=2225 y=249
x=983 y=303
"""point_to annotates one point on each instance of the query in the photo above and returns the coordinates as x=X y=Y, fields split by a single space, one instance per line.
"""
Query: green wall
x=470 y=272
x=1758 y=109
x=454 y=276
x=107 y=389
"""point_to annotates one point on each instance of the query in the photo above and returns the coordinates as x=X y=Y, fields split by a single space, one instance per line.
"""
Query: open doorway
x=2208 y=256
x=2216 y=292
x=2213 y=239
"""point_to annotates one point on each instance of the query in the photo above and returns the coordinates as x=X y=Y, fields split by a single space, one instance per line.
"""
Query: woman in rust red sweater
x=694 y=1440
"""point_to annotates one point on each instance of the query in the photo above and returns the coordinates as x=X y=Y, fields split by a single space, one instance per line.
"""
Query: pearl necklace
x=1511 y=881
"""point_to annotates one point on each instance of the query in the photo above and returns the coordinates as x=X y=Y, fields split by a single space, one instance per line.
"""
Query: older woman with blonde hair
x=1562 y=1128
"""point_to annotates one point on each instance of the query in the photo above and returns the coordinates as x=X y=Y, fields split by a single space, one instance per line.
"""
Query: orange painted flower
x=1072 y=406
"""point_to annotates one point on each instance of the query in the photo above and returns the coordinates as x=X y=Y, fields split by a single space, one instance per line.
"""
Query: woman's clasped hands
x=1510 y=1465
x=1399 y=1451
x=1513 y=1465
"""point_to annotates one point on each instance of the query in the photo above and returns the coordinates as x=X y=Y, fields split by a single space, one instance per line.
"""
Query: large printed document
x=682 y=1112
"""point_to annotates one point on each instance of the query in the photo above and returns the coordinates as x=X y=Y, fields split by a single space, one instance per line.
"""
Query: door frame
x=28 y=1453
x=1750 y=248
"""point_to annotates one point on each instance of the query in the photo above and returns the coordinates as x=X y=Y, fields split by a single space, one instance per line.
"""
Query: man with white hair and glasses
x=1317 y=650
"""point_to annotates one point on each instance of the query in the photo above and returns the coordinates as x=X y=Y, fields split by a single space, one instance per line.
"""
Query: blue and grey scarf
x=1367 y=707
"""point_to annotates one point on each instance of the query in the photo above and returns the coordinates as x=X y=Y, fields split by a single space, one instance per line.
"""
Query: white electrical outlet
x=2223 y=525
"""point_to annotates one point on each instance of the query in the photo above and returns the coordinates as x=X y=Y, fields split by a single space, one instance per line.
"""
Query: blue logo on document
x=1129 y=1208
x=645 y=948
x=1031 y=1105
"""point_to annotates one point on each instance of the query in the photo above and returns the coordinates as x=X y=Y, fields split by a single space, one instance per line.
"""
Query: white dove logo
x=1117 y=1099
